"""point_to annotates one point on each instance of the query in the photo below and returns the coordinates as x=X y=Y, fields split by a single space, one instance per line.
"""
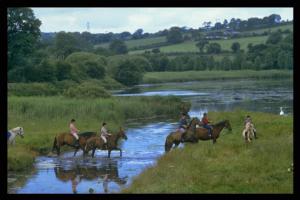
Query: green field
x=139 y=42
x=190 y=46
x=230 y=165
x=272 y=29
x=43 y=117
x=161 y=77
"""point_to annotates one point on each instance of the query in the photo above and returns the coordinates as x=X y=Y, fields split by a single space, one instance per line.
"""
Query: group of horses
x=195 y=132
x=89 y=141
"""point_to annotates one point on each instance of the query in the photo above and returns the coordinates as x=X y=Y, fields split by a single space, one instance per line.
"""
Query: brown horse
x=112 y=143
x=202 y=133
x=77 y=173
x=175 y=137
x=66 y=138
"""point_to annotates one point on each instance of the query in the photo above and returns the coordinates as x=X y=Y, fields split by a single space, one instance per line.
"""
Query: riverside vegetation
x=229 y=166
x=44 y=117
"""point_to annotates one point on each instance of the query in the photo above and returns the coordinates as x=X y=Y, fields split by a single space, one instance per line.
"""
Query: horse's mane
x=194 y=118
x=87 y=134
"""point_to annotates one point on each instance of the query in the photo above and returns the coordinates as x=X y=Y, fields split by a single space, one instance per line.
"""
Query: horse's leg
x=76 y=149
x=93 y=153
x=58 y=150
x=214 y=139
x=109 y=153
x=120 y=151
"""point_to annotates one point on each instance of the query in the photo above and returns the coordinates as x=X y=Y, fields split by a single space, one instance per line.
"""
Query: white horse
x=11 y=135
x=248 y=132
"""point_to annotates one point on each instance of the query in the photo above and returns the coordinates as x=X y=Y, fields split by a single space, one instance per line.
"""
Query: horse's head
x=194 y=121
x=227 y=125
x=19 y=131
x=122 y=133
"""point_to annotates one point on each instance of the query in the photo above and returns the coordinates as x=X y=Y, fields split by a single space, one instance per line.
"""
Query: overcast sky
x=103 y=20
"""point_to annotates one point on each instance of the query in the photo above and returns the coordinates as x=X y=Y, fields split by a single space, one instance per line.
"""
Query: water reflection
x=105 y=172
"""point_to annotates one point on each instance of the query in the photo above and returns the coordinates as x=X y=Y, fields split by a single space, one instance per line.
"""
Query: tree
x=95 y=70
x=225 y=23
x=235 y=47
x=129 y=73
x=118 y=47
x=237 y=61
x=218 y=25
x=174 y=35
x=63 y=70
x=65 y=44
x=155 y=50
x=226 y=63
x=201 y=44
x=274 y=38
x=23 y=32
x=44 y=72
x=214 y=48
x=137 y=34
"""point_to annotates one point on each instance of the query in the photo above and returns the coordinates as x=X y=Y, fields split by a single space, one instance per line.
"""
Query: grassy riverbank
x=44 y=117
x=163 y=77
x=229 y=166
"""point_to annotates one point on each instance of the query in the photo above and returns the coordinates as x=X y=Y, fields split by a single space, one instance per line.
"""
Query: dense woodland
x=74 y=57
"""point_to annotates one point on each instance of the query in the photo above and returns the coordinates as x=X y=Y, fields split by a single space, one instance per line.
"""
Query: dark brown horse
x=202 y=133
x=175 y=137
x=66 y=138
x=112 y=143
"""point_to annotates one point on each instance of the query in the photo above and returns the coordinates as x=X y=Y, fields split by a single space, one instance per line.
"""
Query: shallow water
x=68 y=174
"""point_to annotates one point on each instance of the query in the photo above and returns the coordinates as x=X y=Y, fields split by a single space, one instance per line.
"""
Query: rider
x=104 y=133
x=247 y=126
x=182 y=125
x=74 y=131
x=206 y=125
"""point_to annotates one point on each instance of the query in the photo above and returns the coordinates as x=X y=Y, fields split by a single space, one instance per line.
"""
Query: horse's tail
x=54 y=144
x=168 y=144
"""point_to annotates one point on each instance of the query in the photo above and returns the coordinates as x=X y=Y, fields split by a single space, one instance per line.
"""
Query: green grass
x=139 y=42
x=229 y=166
x=43 y=117
x=272 y=29
x=190 y=46
x=161 y=77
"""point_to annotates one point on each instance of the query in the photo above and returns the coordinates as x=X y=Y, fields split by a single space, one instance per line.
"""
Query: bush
x=32 y=89
x=87 y=90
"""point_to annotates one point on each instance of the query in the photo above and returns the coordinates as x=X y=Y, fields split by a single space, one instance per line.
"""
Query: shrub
x=87 y=90
x=32 y=89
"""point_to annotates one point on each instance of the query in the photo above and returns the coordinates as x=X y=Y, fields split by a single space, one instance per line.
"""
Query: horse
x=66 y=138
x=202 y=133
x=249 y=132
x=11 y=135
x=97 y=142
x=107 y=171
x=175 y=137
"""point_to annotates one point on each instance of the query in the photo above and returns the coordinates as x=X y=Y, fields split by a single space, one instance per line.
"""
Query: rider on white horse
x=11 y=134
x=249 y=128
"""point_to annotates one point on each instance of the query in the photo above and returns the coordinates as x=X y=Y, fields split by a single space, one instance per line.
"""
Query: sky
x=117 y=20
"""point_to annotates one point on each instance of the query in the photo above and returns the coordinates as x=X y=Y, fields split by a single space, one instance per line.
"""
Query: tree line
x=70 y=57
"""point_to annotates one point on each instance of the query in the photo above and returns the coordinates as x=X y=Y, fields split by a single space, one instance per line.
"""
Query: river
x=68 y=174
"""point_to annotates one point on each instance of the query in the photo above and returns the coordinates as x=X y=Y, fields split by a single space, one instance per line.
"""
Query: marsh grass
x=229 y=166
